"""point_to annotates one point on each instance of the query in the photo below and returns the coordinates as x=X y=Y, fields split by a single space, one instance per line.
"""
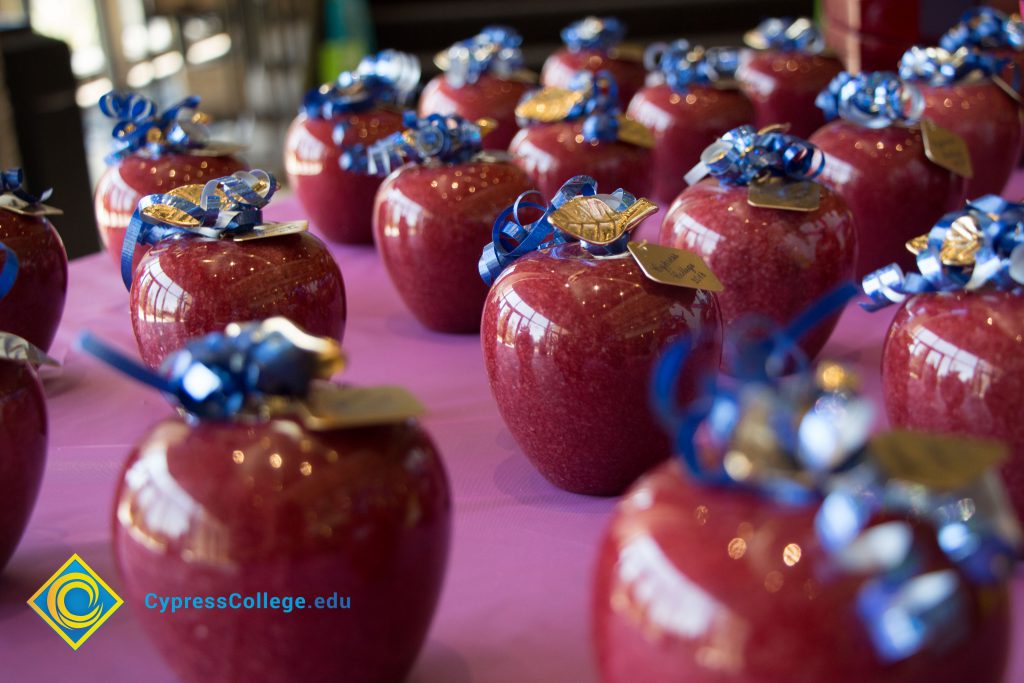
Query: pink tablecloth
x=515 y=602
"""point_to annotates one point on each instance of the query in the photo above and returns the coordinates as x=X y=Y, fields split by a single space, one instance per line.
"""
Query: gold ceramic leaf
x=549 y=104
x=634 y=133
x=960 y=246
x=441 y=60
x=593 y=221
x=629 y=52
x=486 y=126
x=192 y=193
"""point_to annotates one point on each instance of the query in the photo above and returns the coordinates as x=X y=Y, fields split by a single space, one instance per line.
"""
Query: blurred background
x=251 y=61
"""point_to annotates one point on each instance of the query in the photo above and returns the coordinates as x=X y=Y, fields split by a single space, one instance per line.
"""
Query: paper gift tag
x=333 y=406
x=938 y=461
x=17 y=205
x=946 y=149
x=13 y=347
x=788 y=195
x=272 y=230
x=674 y=266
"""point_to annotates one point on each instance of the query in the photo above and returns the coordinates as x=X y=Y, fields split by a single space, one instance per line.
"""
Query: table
x=515 y=602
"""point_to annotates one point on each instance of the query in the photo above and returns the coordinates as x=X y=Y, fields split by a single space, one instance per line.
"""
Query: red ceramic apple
x=22 y=450
x=773 y=262
x=150 y=157
x=784 y=75
x=483 y=79
x=894 y=190
x=569 y=340
x=710 y=585
x=594 y=44
x=188 y=285
x=429 y=223
x=359 y=109
x=32 y=308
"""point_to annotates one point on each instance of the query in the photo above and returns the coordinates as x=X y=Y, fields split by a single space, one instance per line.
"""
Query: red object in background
x=702 y=584
x=563 y=64
x=222 y=508
x=893 y=190
x=773 y=263
x=488 y=97
x=684 y=124
x=783 y=85
x=338 y=202
x=33 y=308
x=187 y=286
x=23 y=432
x=551 y=153
x=127 y=181
x=569 y=341
x=430 y=223
x=954 y=363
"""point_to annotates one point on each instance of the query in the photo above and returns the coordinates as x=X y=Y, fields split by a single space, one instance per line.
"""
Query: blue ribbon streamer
x=9 y=272
x=745 y=154
x=240 y=212
x=683 y=65
x=140 y=128
x=11 y=181
x=513 y=238
x=494 y=50
x=999 y=260
x=873 y=99
x=220 y=375
x=447 y=139
x=984 y=28
x=386 y=78
x=789 y=35
x=593 y=33
x=936 y=66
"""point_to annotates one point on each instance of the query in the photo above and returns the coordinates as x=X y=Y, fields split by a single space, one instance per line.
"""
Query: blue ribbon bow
x=683 y=65
x=744 y=154
x=494 y=50
x=11 y=182
x=788 y=35
x=9 y=272
x=447 y=139
x=386 y=78
x=937 y=66
x=874 y=99
x=239 y=211
x=998 y=259
x=599 y=106
x=593 y=33
x=513 y=238
x=984 y=28
x=225 y=374
x=139 y=127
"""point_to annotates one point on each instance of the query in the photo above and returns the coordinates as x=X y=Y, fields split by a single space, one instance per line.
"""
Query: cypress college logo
x=75 y=602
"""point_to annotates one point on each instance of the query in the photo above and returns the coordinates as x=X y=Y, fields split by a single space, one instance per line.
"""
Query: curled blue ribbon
x=593 y=33
x=788 y=35
x=873 y=99
x=140 y=128
x=240 y=211
x=494 y=50
x=447 y=139
x=9 y=272
x=11 y=181
x=512 y=237
x=998 y=259
x=745 y=154
x=937 y=66
x=386 y=78
x=226 y=374
x=683 y=65
x=984 y=28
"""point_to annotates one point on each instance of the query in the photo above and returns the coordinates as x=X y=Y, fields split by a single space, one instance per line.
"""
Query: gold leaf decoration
x=593 y=221
x=548 y=105
x=634 y=133
x=960 y=246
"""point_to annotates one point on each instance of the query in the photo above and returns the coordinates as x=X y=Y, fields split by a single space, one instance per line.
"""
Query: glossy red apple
x=988 y=120
x=954 y=362
x=127 y=181
x=569 y=341
x=187 y=286
x=33 y=307
x=489 y=97
x=894 y=191
x=338 y=202
x=22 y=450
x=223 y=508
x=552 y=153
x=429 y=223
x=564 y=63
x=710 y=586
x=783 y=85
x=773 y=263
x=684 y=124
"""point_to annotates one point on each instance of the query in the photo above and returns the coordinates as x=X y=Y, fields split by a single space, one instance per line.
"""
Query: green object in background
x=347 y=36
